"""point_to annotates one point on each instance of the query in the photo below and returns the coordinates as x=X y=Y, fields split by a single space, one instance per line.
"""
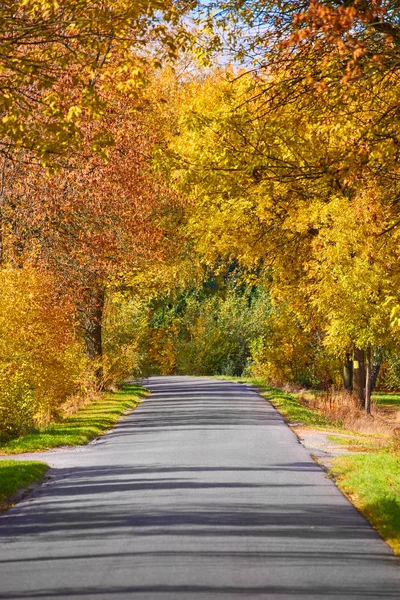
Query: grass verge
x=362 y=443
x=295 y=412
x=16 y=475
x=372 y=483
x=88 y=422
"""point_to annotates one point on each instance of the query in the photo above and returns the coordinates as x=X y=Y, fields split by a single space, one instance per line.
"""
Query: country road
x=202 y=492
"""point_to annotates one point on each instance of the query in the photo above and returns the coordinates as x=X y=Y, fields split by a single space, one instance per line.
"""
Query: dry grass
x=77 y=402
x=343 y=407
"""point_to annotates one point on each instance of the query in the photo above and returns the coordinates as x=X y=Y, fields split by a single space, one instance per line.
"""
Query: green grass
x=87 y=423
x=361 y=443
x=382 y=399
x=294 y=411
x=16 y=475
x=372 y=482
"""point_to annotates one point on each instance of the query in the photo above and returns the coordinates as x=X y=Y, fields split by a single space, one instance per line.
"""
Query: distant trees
x=208 y=329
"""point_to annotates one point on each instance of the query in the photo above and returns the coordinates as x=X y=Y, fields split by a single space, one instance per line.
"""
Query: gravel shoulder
x=319 y=445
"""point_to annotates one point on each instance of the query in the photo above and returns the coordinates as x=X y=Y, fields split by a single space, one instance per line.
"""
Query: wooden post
x=359 y=375
x=368 y=372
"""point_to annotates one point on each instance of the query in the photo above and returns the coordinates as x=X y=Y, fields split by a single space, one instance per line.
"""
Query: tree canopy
x=58 y=61
x=244 y=214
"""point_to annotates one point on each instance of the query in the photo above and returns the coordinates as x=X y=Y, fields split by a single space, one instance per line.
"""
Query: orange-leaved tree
x=56 y=59
x=96 y=224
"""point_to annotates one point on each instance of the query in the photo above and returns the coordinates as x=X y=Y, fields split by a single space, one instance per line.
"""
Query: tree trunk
x=359 y=375
x=1 y=236
x=377 y=357
x=368 y=389
x=92 y=321
x=348 y=373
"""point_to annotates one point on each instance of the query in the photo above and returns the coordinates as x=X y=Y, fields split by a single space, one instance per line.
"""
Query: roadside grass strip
x=372 y=483
x=15 y=475
x=287 y=404
x=295 y=412
x=88 y=422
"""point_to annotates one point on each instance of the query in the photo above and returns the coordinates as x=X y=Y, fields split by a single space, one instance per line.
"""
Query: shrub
x=287 y=353
x=42 y=362
x=123 y=331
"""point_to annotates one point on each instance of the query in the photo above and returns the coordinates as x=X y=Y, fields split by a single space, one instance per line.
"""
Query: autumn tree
x=95 y=223
x=266 y=185
x=60 y=65
x=337 y=63
x=42 y=362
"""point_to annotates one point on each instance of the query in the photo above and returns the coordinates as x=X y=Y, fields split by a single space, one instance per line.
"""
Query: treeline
x=230 y=327
x=84 y=219
x=161 y=214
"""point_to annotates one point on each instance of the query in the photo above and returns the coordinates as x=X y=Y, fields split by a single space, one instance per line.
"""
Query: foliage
x=228 y=326
x=123 y=333
x=59 y=60
x=93 y=220
x=285 y=366
x=307 y=187
x=41 y=359
x=16 y=475
x=389 y=374
x=287 y=353
x=207 y=330
x=213 y=344
x=287 y=169
x=82 y=213
x=331 y=42
x=94 y=224
x=98 y=415
x=356 y=274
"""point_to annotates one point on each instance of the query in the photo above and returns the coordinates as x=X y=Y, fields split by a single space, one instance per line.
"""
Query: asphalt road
x=202 y=493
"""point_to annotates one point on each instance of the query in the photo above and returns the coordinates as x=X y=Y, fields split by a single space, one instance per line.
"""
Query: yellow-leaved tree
x=307 y=188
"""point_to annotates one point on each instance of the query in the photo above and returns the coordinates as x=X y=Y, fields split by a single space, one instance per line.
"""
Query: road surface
x=202 y=493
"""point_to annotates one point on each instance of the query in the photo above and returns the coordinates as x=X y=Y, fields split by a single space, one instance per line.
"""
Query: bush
x=389 y=373
x=16 y=403
x=42 y=362
x=123 y=331
x=200 y=333
x=287 y=353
